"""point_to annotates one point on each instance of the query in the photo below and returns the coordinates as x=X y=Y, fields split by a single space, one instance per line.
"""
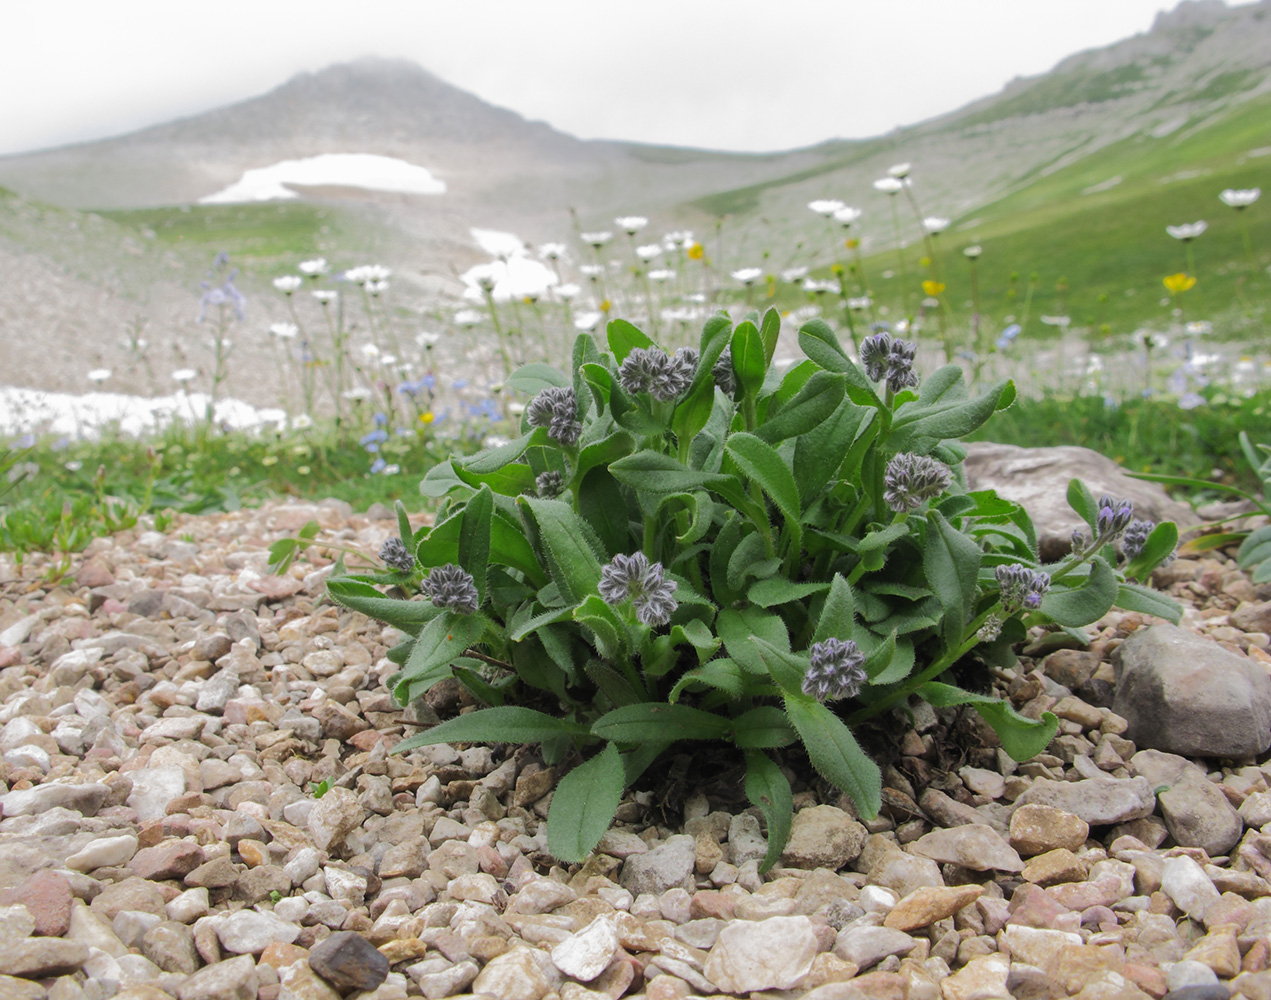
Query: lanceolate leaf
x=769 y=331
x=1160 y=544
x=768 y=788
x=721 y=673
x=1135 y=597
x=1080 y=500
x=1021 y=737
x=765 y=726
x=761 y=464
x=624 y=338
x=474 y=538
x=838 y=614
x=660 y=721
x=409 y=616
x=583 y=806
x=835 y=753
x=820 y=396
x=442 y=641
x=564 y=535
x=507 y=724
x=951 y=561
x=738 y=627
x=533 y=378
x=749 y=360
x=786 y=668
x=1086 y=604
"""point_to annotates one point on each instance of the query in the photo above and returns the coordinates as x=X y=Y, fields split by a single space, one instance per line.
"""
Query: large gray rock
x=1037 y=479
x=1185 y=694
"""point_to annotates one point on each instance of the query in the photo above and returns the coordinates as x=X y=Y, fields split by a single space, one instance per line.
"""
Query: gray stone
x=246 y=932
x=587 y=954
x=745 y=841
x=83 y=799
x=103 y=851
x=666 y=866
x=337 y=814
x=1098 y=801
x=867 y=945
x=771 y=954
x=980 y=848
x=1185 y=694
x=170 y=946
x=153 y=788
x=1037 y=479
x=823 y=837
x=1199 y=815
x=234 y=979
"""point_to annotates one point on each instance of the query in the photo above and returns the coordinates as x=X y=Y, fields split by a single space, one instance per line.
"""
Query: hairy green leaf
x=583 y=805
x=835 y=753
x=768 y=788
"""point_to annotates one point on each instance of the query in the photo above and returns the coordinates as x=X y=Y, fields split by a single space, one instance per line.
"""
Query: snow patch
x=516 y=275
x=359 y=170
x=35 y=411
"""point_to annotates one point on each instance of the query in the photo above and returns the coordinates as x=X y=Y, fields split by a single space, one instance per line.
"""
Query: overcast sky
x=724 y=74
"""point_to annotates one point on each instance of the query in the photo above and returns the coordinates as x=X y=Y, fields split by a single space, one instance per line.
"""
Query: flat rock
x=1096 y=801
x=153 y=788
x=38 y=957
x=514 y=975
x=923 y=907
x=83 y=799
x=1037 y=828
x=246 y=932
x=771 y=954
x=173 y=860
x=866 y=946
x=233 y=979
x=1183 y=693
x=101 y=852
x=1037 y=479
x=978 y=847
x=585 y=955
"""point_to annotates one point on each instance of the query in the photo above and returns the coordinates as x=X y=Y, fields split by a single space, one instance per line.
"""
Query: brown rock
x=130 y=894
x=1036 y=829
x=923 y=907
x=337 y=722
x=214 y=874
x=1059 y=865
x=38 y=957
x=173 y=860
x=47 y=896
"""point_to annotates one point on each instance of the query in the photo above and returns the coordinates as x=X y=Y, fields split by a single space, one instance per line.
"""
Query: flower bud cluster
x=723 y=374
x=1113 y=517
x=1021 y=587
x=892 y=360
x=549 y=484
x=663 y=376
x=1135 y=537
x=556 y=409
x=911 y=480
x=645 y=584
x=451 y=587
x=837 y=670
x=395 y=555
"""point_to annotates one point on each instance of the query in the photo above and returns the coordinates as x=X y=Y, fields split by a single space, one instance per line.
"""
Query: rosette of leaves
x=766 y=507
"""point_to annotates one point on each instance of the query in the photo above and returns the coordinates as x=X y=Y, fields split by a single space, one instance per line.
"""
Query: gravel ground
x=165 y=707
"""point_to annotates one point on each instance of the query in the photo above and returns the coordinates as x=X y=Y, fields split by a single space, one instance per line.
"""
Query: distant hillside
x=1072 y=173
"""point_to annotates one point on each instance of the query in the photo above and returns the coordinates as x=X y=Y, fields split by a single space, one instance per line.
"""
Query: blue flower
x=1008 y=335
x=1021 y=587
x=378 y=466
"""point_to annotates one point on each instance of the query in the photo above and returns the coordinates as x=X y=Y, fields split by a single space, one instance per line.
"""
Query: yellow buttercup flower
x=852 y=244
x=837 y=269
x=932 y=288
x=605 y=305
x=1176 y=284
x=426 y=417
x=696 y=251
